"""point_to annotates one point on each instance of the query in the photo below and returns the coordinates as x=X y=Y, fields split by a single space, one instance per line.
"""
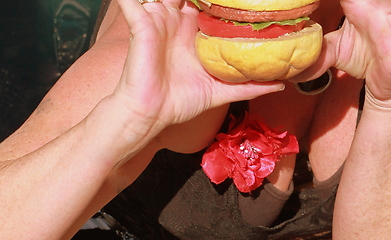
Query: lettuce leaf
x=262 y=25
x=195 y=3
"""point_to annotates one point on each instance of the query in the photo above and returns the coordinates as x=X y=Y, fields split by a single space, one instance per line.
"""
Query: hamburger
x=262 y=40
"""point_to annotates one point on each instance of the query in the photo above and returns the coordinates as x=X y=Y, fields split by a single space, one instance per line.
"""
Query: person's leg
x=264 y=208
x=333 y=129
x=285 y=111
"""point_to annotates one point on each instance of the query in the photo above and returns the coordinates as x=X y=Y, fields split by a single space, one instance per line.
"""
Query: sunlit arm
x=363 y=204
x=43 y=192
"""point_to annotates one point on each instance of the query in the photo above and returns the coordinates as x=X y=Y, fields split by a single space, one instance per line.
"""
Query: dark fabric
x=325 y=188
x=139 y=206
x=173 y=199
x=96 y=234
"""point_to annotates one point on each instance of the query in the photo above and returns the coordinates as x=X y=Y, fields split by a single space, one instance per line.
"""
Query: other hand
x=361 y=48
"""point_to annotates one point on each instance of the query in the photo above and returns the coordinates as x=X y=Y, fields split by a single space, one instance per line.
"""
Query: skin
x=124 y=118
x=319 y=121
x=98 y=127
x=364 y=42
x=362 y=49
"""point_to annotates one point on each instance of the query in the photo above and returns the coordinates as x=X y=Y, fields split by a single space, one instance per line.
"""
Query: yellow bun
x=261 y=5
x=244 y=59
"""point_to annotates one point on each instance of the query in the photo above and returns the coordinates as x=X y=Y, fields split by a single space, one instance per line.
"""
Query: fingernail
x=282 y=88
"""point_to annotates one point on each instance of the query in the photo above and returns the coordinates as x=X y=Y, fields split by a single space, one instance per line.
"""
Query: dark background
x=39 y=39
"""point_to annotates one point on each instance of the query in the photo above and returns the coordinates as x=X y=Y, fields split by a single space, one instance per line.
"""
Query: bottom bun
x=245 y=59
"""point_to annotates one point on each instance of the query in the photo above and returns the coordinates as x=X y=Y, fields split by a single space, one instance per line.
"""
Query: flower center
x=249 y=151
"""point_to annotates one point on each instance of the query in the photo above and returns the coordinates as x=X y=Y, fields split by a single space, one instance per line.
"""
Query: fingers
x=189 y=8
x=132 y=10
x=174 y=3
x=233 y=92
x=153 y=13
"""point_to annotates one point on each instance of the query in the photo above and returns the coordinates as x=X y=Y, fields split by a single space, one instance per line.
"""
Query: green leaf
x=262 y=25
x=195 y=3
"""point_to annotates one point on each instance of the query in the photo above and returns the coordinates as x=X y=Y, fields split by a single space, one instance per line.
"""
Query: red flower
x=247 y=154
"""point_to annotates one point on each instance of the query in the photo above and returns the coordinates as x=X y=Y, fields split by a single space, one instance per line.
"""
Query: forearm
x=363 y=202
x=44 y=192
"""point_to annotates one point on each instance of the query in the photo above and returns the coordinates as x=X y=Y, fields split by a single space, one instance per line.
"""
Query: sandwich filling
x=219 y=21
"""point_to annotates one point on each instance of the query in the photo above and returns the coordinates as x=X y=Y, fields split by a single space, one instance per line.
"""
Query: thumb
x=233 y=92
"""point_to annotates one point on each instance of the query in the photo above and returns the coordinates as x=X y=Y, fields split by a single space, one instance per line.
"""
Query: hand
x=361 y=48
x=162 y=78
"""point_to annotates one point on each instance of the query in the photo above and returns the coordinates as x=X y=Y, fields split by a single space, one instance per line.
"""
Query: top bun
x=261 y=5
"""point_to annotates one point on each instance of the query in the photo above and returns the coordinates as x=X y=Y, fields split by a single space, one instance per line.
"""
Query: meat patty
x=256 y=16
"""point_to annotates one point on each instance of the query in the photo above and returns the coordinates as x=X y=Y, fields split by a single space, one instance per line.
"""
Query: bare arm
x=49 y=187
x=54 y=165
x=35 y=185
x=363 y=200
x=363 y=203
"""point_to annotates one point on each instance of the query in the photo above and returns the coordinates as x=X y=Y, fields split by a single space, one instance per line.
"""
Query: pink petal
x=215 y=165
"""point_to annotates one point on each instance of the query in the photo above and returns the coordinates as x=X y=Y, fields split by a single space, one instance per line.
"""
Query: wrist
x=373 y=102
x=119 y=133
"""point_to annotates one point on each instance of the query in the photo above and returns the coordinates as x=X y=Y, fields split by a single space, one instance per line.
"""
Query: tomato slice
x=214 y=26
